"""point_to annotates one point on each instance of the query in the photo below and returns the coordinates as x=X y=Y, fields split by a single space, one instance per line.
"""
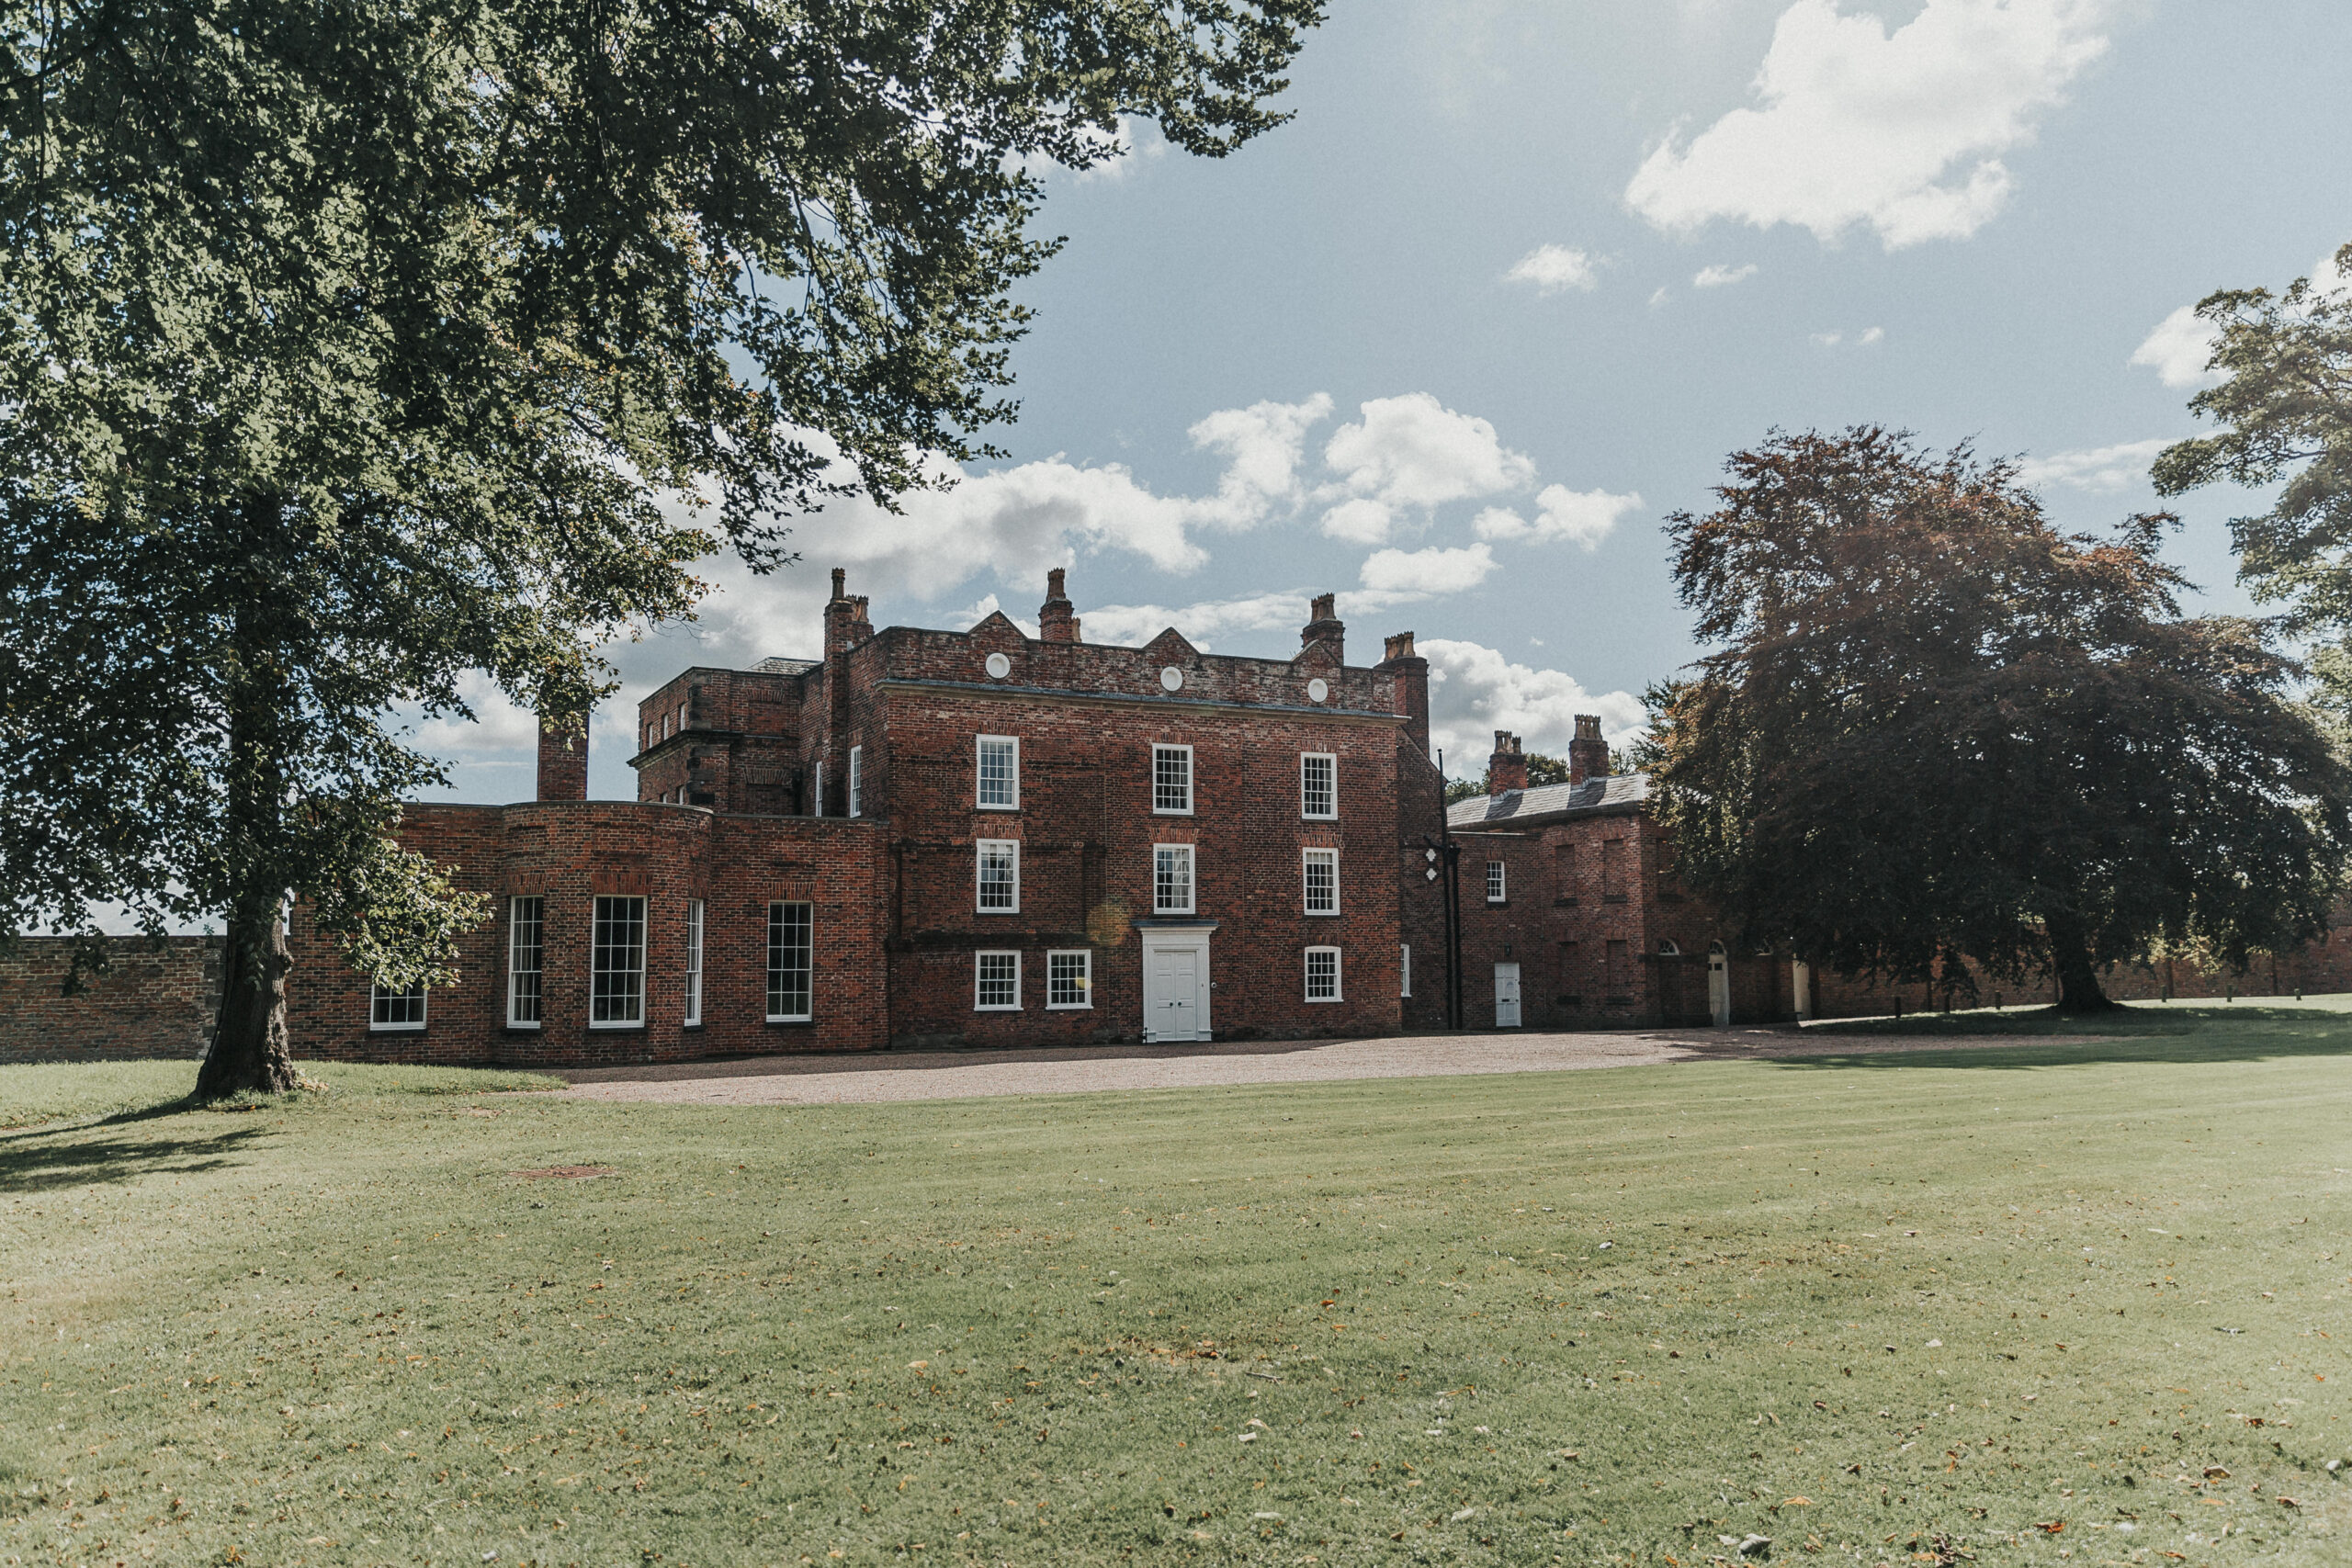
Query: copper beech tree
x=1934 y=730
x=347 y=348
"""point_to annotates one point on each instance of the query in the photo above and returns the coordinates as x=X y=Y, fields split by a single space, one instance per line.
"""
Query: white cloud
x=1554 y=269
x=1720 y=276
x=1661 y=297
x=1577 y=517
x=1431 y=571
x=1210 y=620
x=1120 y=153
x=1475 y=690
x=2179 y=349
x=1261 y=445
x=1856 y=125
x=2101 y=468
x=1875 y=334
x=1413 y=453
x=1360 y=521
x=1828 y=340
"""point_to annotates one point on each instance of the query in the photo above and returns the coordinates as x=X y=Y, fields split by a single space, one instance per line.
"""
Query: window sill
x=984 y=805
x=1323 y=1001
x=997 y=1009
x=1563 y=903
x=396 y=1029
x=1612 y=897
x=792 y=1022
x=1322 y=914
x=1497 y=903
x=1158 y=811
x=637 y=1028
x=1070 y=1006
x=996 y=911
x=523 y=1028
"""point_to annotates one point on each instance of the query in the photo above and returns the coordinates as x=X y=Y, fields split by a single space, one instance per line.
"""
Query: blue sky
x=1457 y=339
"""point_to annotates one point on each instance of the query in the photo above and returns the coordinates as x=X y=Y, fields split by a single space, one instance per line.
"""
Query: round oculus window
x=999 y=666
x=1171 y=679
x=1318 y=690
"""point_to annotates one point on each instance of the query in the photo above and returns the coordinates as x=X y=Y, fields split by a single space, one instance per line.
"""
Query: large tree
x=2284 y=404
x=1933 y=728
x=350 y=346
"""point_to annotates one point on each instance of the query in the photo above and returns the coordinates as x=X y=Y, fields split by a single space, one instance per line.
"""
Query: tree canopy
x=346 y=348
x=1934 y=730
x=2285 y=409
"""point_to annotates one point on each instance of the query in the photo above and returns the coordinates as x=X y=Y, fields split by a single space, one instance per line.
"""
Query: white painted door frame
x=1507 y=1010
x=1156 y=1003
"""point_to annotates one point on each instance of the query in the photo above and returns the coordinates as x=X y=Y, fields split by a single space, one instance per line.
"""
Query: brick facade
x=852 y=783
x=155 y=1000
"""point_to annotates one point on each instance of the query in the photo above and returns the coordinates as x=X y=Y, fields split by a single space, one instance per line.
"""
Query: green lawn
x=1886 y=1309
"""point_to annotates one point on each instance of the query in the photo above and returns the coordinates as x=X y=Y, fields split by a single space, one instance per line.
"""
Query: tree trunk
x=2070 y=955
x=251 y=1051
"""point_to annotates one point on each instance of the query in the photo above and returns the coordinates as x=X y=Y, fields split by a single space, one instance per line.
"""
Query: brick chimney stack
x=1507 y=769
x=1055 y=623
x=1412 y=673
x=563 y=758
x=845 y=622
x=1325 y=626
x=1587 y=753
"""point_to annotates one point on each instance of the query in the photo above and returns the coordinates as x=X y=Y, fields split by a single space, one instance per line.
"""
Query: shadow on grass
x=2176 y=1035
x=42 y=1159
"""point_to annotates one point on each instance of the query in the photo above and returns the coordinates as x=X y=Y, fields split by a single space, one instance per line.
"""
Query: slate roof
x=786 y=666
x=1550 y=802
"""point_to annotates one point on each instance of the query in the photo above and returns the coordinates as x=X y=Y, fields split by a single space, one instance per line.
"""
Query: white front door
x=1175 y=990
x=1506 y=996
x=1719 y=987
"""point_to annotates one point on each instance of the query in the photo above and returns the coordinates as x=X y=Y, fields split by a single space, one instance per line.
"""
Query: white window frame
x=980 y=978
x=1190 y=782
x=856 y=780
x=1498 y=882
x=691 y=1016
x=1404 y=968
x=980 y=744
x=515 y=952
x=1308 y=859
x=806 y=970
x=378 y=995
x=681 y=718
x=981 y=849
x=1191 y=857
x=635 y=994
x=817 y=787
x=666 y=730
x=1308 y=974
x=1331 y=783
x=1054 y=961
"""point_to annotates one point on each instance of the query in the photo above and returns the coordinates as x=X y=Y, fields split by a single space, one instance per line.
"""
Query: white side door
x=1506 y=996
x=1175 y=992
x=1719 y=986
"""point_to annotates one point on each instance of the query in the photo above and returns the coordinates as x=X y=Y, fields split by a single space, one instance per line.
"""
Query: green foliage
x=346 y=350
x=1043 y=1326
x=2284 y=410
x=1935 y=728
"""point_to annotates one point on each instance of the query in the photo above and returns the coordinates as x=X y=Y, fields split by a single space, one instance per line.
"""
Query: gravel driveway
x=961 y=1075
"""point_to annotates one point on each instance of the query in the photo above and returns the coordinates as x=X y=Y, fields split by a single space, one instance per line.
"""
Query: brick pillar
x=1507 y=769
x=1412 y=673
x=563 y=758
x=1056 y=621
x=1587 y=753
x=1324 y=625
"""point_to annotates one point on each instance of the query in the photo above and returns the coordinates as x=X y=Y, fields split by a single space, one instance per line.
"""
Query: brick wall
x=153 y=1001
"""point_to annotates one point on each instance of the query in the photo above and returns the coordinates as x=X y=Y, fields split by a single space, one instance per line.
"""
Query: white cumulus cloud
x=1475 y=690
x=1720 y=276
x=1431 y=571
x=2101 y=468
x=1577 y=517
x=1261 y=444
x=2179 y=349
x=1411 y=453
x=1554 y=269
x=1900 y=131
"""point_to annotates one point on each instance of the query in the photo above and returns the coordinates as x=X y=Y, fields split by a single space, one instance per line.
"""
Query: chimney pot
x=563 y=758
x=1507 y=769
x=1587 y=753
x=1055 y=621
x=1324 y=625
x=841 y=576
